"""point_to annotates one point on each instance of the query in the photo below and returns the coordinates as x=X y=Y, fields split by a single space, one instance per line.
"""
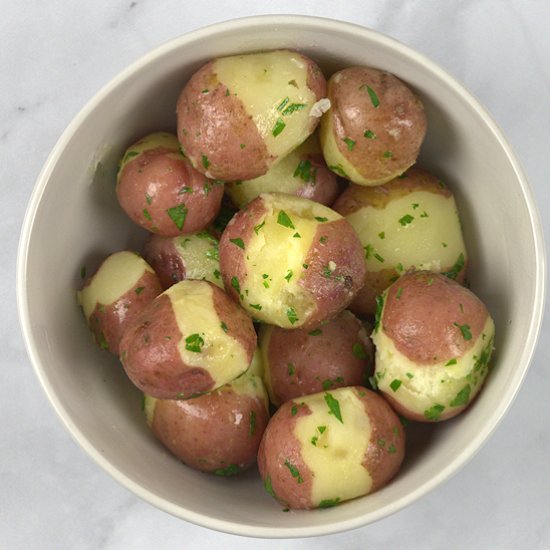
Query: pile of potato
x=299 y=265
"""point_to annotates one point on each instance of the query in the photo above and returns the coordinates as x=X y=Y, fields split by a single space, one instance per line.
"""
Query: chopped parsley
x=433 y=413
x=184 y=190
x=284 y=220
x=462 y=397
x=359 y=351
x=252 y=423
x=315 y=332
x=205 y=161
x=465 y=330
x=321 y=219
x=349 y=142
x=291 y=369
x=231 y=470
x=235 y=284
x=139 y=290
x=395 y=383
x=258 y=227
x=178 y=214
x=146 y=215
x=378 y=313
x=238 y=242
x=338 y=168
x=269 y=487
x=450 y=362
x=194 y=343
x=399 y=293
x=288 y=276
x=256 y=306
x=329 y=502
x=294 y=472
x=372 y=94
x=292 y=108
x=406 y=220
x=304 y=171
x=278 y=127
x=334 y=406
x=283 y=103
x=387 y=154
x=224 y=326
x=293 y=410
x=148 y=198
x=456 y=269
x=292 y=316
x=369 y=134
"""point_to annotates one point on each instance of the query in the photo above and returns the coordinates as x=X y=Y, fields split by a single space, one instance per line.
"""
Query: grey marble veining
x=54 y=56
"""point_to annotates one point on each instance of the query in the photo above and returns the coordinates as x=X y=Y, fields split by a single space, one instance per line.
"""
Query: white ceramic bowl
x=73 y=220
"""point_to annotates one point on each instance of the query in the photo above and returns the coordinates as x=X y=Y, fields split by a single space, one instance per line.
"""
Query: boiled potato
x=194 y=256
x=190 y=340
x=218 y=432
x=111 y=299
x=410 y=222
x=433 y=342
x=374 y=128
x=240 y=114
x=302 y=172
x=160 y=191
x=291 y=262
x=326 y=448
x=299 y=362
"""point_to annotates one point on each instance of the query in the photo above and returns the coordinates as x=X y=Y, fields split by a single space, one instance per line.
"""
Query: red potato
x=302 y=172
x=112 y=298
x=218 y=432
x=326 y=448
x=291 y=262
x=434 y=340
x=160 y=190
x=411 y=222
x=239 y=115
x=374 y=128
x=300 y=362
x=194 y=256
x=190 y=340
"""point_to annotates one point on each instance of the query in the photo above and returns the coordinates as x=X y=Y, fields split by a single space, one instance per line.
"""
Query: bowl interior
x=74 y=220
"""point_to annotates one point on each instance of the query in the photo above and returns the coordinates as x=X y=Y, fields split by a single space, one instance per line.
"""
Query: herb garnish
x=334 y=406
x=178 y=214
x=194 y=343
x=278 y=127
x=238 y=241
x=284 y=220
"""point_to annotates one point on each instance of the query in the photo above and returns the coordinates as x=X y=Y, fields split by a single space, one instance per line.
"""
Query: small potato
x=433 y=340
x=326 y=448
x=291 y=262
x=238 y=115
x=218 y=432
x=410 y=222
x=190 y=340
x=160 y=191
x=302 y=172
x=111 y=299
x=299 y=362
x=194 y=256
x=374 y=128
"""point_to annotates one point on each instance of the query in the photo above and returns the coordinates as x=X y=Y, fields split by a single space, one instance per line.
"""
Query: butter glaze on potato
x=290 y=261
x=218 y=432
x=238 y=115
x=120 y=289
x=410 y=222
x=299 y=362
x=374 y=128
x=433 y=346
x=303 y=172
x=194 y=256
x=191 y=339
x=161 y=191
x=329 y=447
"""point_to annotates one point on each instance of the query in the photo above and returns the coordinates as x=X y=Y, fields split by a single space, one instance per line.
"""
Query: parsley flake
x=456 y=269
x=292 y=316
x=462 y=397
x=369 y=134
x=334 y=406
x=465 y=330
x=178 y=214
x=433 y=413
x=278 y=127
x=315 y=332
x=329 y=502
x=139 y=290
x=252 y=423
x=284 y=220
x=238 y=241
x=395 y=383
x=205 y=161
x=194 y=343
x=406 y=220
x=305 y=172
x=224 y=326
x=359 y=351
x=349 y=142
x=258 y=227
x=294 y=472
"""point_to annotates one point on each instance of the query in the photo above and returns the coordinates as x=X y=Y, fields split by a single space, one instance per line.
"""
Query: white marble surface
x=54 y=56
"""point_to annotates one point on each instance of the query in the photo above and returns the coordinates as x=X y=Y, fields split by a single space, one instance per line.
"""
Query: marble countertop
x=54 y=56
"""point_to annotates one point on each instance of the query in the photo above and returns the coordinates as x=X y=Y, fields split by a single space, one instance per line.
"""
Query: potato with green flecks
x=194 y=256
x=122 y=287
x=434 y=340
x=374 y=128
x=291 y=262
x=302 y=172
x=322 y=449
x=160 y=191
x=217 y=432
x=411 y=222
x=190 y=340
x=299 y=362
x=239 y=115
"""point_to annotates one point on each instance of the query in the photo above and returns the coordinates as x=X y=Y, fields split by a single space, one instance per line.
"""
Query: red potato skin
x=317 y=358
x=278 y=448
x=109 y=322
x=333 y=294
x=149 y=353
x=215 y=124
x=398 y=105
x=423 y=313
x=325 y=189
x=213 y=431
x=160 y=179
x=161 y=254
x=382 y=461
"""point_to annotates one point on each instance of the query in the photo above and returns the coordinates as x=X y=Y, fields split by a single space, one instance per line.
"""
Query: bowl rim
x=243 y=529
